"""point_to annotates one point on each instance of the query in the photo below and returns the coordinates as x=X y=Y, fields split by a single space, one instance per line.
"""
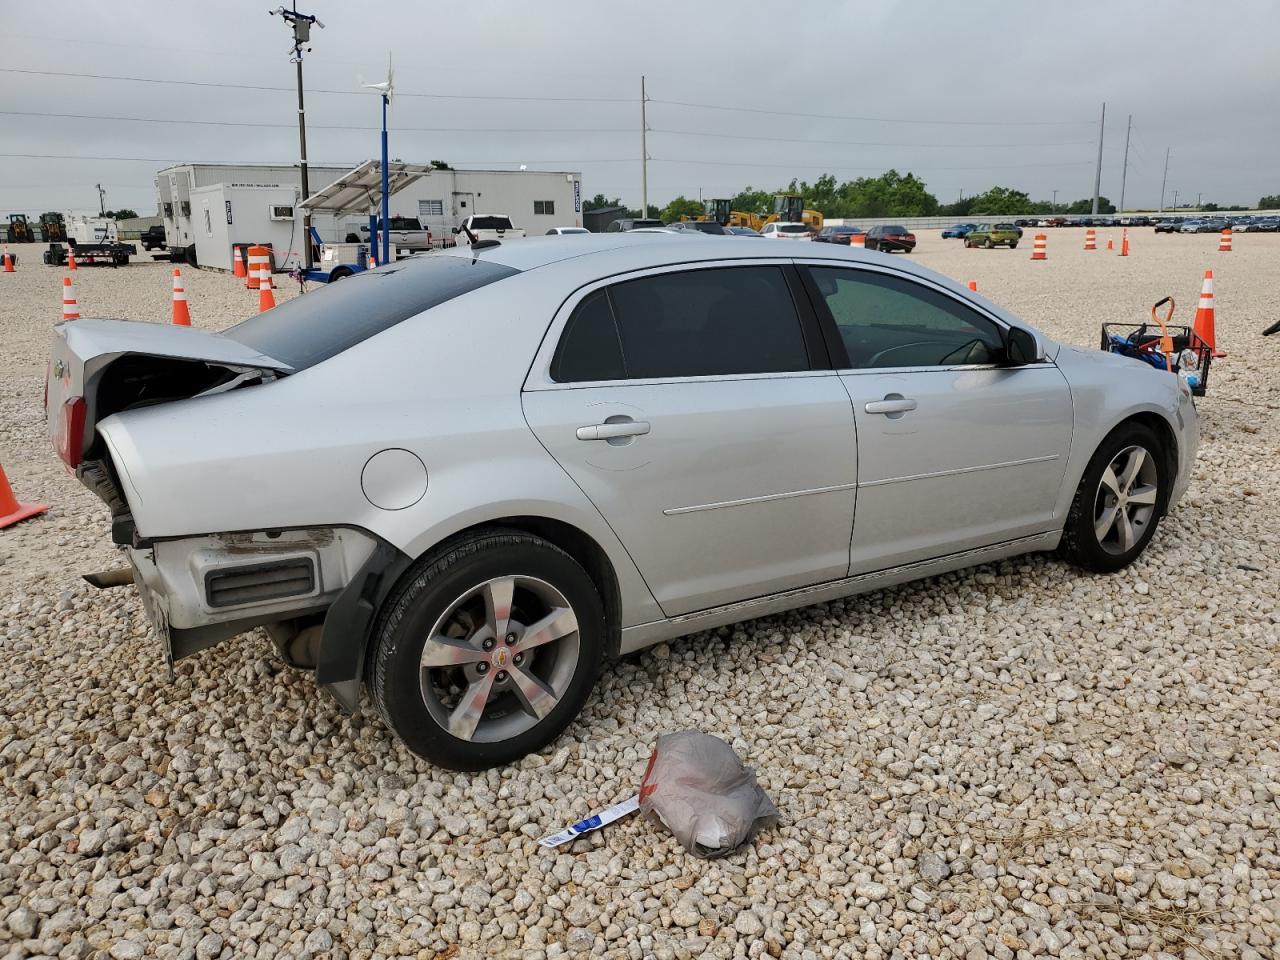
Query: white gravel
x=1014 y=761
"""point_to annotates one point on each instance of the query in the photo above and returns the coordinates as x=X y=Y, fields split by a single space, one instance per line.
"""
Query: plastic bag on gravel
x=697 y=787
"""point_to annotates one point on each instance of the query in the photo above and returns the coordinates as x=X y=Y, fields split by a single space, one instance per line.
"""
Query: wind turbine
x=386 y=89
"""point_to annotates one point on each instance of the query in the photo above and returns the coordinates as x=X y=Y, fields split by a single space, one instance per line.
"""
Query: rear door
x=956 y=449
x=694 y=407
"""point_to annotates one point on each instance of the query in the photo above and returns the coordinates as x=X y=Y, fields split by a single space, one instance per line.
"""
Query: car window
x=307 y=330
x=490 y=223
x=721 y=321
x=792 y=228
x=888 y=321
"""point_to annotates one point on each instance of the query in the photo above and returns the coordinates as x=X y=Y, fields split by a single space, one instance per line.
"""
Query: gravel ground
x=1014 y=761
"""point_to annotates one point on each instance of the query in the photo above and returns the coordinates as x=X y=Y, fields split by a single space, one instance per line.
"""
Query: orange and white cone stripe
x=70 y=309
x=1224 y=241
x=181 y=310
x=1090 y=239
x=258 y=256
x=266 y=299
x=1039 y=248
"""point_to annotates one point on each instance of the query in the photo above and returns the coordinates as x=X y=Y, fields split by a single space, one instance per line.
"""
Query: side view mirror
x=1021 y=348
x=456 y=230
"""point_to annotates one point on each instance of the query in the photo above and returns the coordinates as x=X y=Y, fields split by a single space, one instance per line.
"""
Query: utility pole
x=1124 y=169
x=301 y=24
x=1165 y=179
x=102 y=201
x=1097 y=177
x=1175 y=200
x=644 y=154
x=1197 y=201
x=1055 y=201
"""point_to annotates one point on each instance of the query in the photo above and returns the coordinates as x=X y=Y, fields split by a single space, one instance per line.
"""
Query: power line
x=352 y=93
x=862 y=143
x=290 y=163
x=827 y=116
x=881 y=167
x=310 y=126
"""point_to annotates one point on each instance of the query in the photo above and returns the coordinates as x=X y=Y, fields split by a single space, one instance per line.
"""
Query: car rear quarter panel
x=444 y=385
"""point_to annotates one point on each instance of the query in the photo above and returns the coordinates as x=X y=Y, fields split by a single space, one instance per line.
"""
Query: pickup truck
x=153 y=238
x=407 y=233
x=487 y=226
x=992 y=235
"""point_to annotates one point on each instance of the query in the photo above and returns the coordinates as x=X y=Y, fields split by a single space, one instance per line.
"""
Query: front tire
x=488 y=650
x=1118 y=505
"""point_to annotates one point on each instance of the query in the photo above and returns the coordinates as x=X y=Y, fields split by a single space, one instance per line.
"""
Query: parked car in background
x=891 y=238
x=993 y=235
x=957 y=231
x=700 y=226
x=1170 y=224
x=1193 y=225
x=841 y=234
x=744 y=232
x=487 y=226
x=565 y=231
x=153 y=238
x=407 y=233
x=1141 y=221
x=780 y=230
x=326 y=469
x=626 y=224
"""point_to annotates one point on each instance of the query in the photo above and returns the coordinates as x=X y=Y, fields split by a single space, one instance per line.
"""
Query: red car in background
x=891 y=238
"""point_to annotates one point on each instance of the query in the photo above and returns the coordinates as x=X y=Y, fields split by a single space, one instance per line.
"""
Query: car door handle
x=891 y=405
x=609 y=431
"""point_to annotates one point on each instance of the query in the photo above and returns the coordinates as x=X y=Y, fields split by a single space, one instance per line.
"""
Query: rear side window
x=321 y=324
x=716 y=322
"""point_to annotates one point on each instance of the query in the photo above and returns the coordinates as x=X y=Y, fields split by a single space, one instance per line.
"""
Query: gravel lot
x=1014 y=761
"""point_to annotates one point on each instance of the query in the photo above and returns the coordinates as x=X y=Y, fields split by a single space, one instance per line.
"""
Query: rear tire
x=1118 y=505
x=445 y=674
x=339 y=273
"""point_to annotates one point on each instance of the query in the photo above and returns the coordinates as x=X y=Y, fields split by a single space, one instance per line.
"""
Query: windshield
x=792 y=228
x=491 y=223
x=321 y=324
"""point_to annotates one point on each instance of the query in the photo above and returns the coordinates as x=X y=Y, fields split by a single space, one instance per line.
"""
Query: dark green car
x=993 y=235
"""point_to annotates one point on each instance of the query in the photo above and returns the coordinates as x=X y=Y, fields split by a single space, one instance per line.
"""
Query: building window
x=430 y=208
x=208 y=224
x=544 y=208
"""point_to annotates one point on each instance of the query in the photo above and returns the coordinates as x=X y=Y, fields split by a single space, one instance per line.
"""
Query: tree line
x=892 y=194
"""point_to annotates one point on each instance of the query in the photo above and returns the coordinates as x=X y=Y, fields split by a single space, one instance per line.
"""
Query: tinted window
x=311 y=328
x=715 y=322
x=589 y=349
x=792 y=228
x=888 y=321
x=490 y=223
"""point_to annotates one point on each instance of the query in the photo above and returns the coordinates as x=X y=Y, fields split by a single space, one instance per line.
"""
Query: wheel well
x=1168 y=440
x=582 y=548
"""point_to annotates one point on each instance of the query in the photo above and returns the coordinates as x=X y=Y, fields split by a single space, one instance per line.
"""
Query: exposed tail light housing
x=70 y=438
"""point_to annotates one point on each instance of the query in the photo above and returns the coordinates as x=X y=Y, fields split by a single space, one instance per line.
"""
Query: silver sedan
x=462 y=482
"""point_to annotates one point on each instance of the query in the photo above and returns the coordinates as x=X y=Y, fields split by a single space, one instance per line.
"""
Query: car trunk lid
x=100 y=367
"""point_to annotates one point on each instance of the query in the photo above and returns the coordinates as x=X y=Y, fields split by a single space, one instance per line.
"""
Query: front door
x=685 y=405
x=957 y=450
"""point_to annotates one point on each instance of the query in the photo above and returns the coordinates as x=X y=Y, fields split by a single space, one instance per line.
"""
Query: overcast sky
x=1020 y=85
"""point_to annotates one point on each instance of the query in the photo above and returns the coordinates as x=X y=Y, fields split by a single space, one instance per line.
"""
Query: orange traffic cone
x=266 y=299
x=8 y=260
x=181 y=312
x=1111 y=244
x=1224 y=242
x=973 y=285
x=71 y=259
x=1039 y=250
x=70 y=309
x=11 y=511
x=1090 y=239
x=1124 y=244
x=857 y=239
x=259 y=256
x=1202 y=328
x=237 y=264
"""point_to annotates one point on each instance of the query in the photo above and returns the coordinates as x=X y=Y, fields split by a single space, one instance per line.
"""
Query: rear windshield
x=322 y=323
x=792 y=228
x=895 y=229
x=490 y=223
x=1005 y=226
x=637 y=224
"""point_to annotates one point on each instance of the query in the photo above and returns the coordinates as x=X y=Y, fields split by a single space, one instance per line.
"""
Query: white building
x=211 y=206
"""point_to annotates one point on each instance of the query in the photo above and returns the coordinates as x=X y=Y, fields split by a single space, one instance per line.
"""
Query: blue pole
x=386 y=219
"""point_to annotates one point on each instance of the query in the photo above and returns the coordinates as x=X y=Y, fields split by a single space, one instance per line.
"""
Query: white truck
x=407 y=233
x=486 y=226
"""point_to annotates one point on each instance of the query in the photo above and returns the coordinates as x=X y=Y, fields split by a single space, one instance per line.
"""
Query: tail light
x=70 y=436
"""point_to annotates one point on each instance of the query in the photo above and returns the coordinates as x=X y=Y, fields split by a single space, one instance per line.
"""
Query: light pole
x=1175 y=199
x=386 y=89
x=301 y=24
x=1055 y=201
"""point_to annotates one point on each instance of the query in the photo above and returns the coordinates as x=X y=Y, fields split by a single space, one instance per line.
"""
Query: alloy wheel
x=1125 y=504
x=499 y=659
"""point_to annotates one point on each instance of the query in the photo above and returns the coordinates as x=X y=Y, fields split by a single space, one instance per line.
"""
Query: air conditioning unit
x=281 y=211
